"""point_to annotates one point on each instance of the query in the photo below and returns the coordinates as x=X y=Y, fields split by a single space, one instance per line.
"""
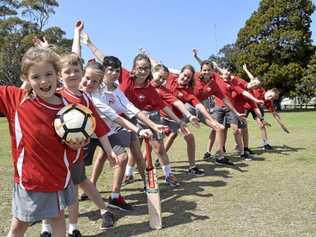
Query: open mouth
x=46 y=89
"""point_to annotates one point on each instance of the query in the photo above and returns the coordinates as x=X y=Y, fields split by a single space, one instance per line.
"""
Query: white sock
x=129 y=170
x=166 y=170
x=103 y=211
x=115 y=195
x=72 y=227
x=265 y=142
x=47 y=228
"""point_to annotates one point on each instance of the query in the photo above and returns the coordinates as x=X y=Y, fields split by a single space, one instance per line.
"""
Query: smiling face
x=271 y=95
x=42 y=77
x=185 y=77
x=159 y=77
x=71 y=76
x=142 y=70
x=206 y=71
x=91 y=80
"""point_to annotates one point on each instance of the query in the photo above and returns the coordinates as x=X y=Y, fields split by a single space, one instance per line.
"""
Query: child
x=42 y=184
x=104 y=95
x=136 y=87
x=160 y=75
x=71 y=74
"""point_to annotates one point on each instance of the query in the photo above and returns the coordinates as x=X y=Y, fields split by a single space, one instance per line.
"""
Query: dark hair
x=208 y=63
x=191 y=68
x=158 y=67
x=111 y=61
x=138 y=58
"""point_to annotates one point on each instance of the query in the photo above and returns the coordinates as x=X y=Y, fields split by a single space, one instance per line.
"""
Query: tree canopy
x=20 y=21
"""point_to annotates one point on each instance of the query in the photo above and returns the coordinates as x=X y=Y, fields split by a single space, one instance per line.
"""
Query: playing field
x=272 y=195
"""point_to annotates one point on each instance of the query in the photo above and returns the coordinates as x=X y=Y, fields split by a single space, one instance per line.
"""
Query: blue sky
x=169 y=29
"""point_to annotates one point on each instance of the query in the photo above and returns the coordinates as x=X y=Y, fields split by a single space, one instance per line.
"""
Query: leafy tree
x=16 y=34
x=276 y=42
x=306 y=89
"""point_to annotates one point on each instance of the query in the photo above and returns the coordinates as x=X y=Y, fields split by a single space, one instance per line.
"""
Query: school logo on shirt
x=111 y=100
x=180 y=94
x=141 y=98
x=208 y=89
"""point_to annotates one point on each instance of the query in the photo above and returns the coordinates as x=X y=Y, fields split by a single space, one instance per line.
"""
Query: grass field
x=272 y=195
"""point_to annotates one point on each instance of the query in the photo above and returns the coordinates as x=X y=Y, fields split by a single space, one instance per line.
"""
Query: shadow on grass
x=283 y=150
x=179 y=211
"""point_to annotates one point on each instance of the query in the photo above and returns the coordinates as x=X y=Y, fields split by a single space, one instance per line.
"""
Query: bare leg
x=92 y=193
x=211 y=141
x=238 y=138
x=137 y=157
x=189 y=138
x=73 y=209
x=118 y=174
x=98 y=167
x=17 y=228
x=169 y=140
x=58 y=225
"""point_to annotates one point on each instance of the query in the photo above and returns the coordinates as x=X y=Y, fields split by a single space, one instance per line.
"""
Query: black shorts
x=118 y=140
x=254 y=115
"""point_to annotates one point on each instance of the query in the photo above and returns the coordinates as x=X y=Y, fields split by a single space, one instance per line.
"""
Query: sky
x=168 y=29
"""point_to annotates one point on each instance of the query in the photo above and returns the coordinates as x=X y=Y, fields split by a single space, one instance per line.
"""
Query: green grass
x=273 y=195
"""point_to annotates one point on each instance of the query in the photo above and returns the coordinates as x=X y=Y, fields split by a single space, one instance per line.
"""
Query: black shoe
x=247 y=150
x=245 y=156
x=46 y=234
x=223 y=161
x=75 y=233
x=119 y=203
x=196 y=171
x=207 y=156
x=224 y=149
x=267 y=147
x=107 y=220
x=84 y=197
x=157 y=164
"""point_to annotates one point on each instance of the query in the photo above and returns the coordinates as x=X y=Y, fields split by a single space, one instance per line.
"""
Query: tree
x=16 y=34
x=276 y=43
x=306 y=89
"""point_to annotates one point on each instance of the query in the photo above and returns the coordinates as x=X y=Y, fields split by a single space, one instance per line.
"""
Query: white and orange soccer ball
x=74 y=122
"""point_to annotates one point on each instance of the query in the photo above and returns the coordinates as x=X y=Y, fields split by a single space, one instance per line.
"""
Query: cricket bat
x=282 y=126
x=152 y=190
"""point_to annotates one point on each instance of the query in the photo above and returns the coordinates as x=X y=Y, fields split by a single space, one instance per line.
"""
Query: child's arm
x=157 y=127
x=76 y=41
x=212 y=122
x=182 y=124
x=128 y=125
x=180 y=106
x=85 y=39
x=251 y=77
x=195 y=55
x=113 y=159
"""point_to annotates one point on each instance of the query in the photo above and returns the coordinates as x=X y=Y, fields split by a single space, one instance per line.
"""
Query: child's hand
x=78 y=143
x=84 y=38
x=79 y=26
x=194 y=52
x=40 y=43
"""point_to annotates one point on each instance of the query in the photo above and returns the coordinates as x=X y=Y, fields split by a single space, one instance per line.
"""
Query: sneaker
x=247 y=150
x=207 y=156
x=46 y=234
x=107 y=220
x=128 y=179
x=267 y=147
x=223 y=161
x=84 y=197
x=196 y=171
x=172 y=181
x=157 y=164
x=245 y=156
x=119 y=203
x=75 y=233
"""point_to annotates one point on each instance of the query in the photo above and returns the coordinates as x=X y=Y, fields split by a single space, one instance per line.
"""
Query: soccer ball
x=74 y=122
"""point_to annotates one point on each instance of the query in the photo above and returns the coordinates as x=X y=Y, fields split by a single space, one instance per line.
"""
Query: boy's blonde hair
x=70 y=59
